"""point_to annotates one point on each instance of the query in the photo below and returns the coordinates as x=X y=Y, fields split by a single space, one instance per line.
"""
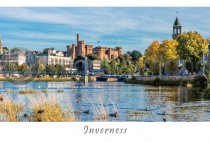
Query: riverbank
x=159 y=82
x=79 y=78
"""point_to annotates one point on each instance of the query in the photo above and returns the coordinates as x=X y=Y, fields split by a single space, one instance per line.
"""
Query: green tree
x=50 y=69
x=38 y=67
x=5 y=50
x=10 y=67
x=45 y=51
x=135 y=55
x=93 y=57
x=60 y=69
x=15 y=50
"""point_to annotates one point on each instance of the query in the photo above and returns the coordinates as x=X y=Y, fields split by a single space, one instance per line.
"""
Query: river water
x=132 y=102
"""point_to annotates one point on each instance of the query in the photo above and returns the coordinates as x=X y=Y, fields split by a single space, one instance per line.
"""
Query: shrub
x=60 y=90
x=10 y=110
x=29 y=91
x=49 y=112
x=199 y=81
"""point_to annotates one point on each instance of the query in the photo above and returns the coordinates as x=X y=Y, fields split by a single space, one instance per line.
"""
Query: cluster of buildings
x=82 y=49
x=65 y=58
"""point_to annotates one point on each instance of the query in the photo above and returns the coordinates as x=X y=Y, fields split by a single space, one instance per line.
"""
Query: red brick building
x=82 y=49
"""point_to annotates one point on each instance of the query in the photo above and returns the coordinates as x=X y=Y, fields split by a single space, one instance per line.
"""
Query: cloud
x=136 y=27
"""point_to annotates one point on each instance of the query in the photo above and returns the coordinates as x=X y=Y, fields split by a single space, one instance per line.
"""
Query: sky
x=132 y=28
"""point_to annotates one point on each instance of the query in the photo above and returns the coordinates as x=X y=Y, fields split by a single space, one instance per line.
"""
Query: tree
x=79 y=58
x=191 y=47
x=93 y=57
x=50 y=69
x=5 y=50
x=23 y=67
x=135 y=55
x=45 y=51
x=55 y=69
x=170 y=55
x=154 y=55
x=60 y=69
x=38 y=67
x=10 y=67
x=15 y=50
x=127 y=57
x=105 y=65
x=140 y=64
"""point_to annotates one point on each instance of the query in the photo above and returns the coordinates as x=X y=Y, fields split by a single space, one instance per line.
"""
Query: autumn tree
x=170 y=55
x=153 y=56
x=191 y=47
x=23 y=67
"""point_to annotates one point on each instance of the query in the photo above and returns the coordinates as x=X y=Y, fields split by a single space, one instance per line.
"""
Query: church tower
x=177 y=28
x=1 y=48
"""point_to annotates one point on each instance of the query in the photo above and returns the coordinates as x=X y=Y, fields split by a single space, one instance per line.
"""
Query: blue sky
x=135 y=28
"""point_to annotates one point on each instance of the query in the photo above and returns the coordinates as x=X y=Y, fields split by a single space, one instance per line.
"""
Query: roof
x=177 y=23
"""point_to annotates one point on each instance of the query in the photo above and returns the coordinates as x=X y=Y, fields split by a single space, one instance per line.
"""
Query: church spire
x=177 y=28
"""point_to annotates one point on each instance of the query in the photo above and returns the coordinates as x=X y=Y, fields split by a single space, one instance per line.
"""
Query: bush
x=10 y=110
x=158 y=82
x=49 y=112
x=199 y=81
x=30 y=91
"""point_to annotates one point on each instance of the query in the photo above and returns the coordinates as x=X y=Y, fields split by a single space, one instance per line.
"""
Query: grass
x=44 y=91
x=10 y=110
x=42 y=79
x=54 y=79
x=49 y=112
x=158 y=82
x=60 y=90
x=28 y=91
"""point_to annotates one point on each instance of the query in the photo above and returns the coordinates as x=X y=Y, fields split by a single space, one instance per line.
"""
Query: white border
x=102 y=3
x=67 y=132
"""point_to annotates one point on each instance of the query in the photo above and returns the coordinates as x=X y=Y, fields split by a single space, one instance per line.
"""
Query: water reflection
x=133 y=102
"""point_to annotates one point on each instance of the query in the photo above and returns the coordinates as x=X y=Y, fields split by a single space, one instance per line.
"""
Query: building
x=17 y=57
x=82 y=49
x=94 y=65
x=107 y=53
x=31 y=57
x=55 y=58
x=177 y=28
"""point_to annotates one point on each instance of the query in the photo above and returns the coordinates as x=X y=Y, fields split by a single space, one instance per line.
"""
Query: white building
x=55 y=58
x=94 y=65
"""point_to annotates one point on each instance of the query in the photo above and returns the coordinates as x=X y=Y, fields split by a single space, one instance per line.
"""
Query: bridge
x=112 y=77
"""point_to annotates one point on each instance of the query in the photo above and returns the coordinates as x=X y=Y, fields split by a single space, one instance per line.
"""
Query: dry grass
x=47 y=109
x=10 y=110
x=44 y=91
x=98 y=108
x=29 y=91
x=60 y=90
x=49 y=112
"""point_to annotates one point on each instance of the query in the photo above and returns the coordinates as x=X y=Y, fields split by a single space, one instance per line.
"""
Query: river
x=132 y=102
